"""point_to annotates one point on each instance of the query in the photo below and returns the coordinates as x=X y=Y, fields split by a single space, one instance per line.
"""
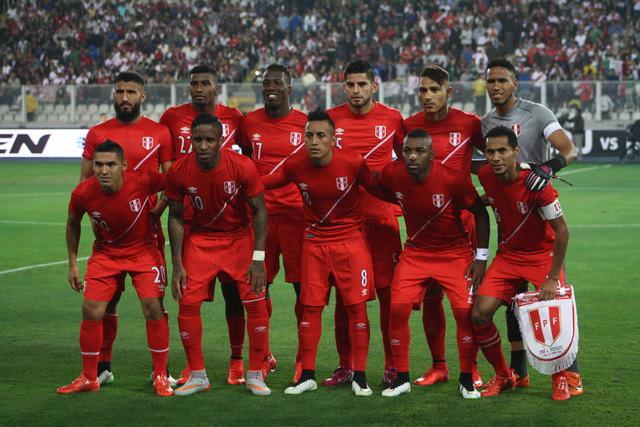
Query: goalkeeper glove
x=541 y=174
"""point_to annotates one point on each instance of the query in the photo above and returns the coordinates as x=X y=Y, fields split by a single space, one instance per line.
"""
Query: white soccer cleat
x=194 y=385
x=397 y=391
x=359 y=391
x=172 y=381
x=308 y=385
x=256 y=385
x=475 y=394
x=106 y=377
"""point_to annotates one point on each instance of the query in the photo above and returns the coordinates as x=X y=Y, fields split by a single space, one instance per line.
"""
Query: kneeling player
x=532 y=245
x=334 y=246
x=221 y=186
x=118 y=205
x=437 y=250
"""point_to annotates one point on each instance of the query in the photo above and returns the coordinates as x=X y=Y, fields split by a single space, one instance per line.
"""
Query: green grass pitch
x=40 y=317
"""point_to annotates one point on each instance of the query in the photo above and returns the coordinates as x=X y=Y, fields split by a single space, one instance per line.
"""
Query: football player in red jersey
x=533 y=240
x=228 y=202
x=455 y=134
x=437 y=249
x=334 y=248
x=373 y=130
x=204 y=91
x=272 y=135
x=147 y=147
x=118 y=204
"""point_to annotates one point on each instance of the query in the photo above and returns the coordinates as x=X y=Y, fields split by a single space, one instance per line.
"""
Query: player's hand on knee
x=257 y=277
x=74 y=279
x=548 y=289
x=476 y=271
x=178 y=282
x=539 y=176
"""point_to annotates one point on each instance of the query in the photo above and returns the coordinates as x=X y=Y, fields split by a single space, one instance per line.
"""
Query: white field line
x=6 y=221
x=34 y=194
x=592 y=168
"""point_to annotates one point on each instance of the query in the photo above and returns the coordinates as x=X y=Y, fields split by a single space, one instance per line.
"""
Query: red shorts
x=347 y=265
x=383 y=237
x=284 y=236
x=106 y=273
x=419 y=267
x=205 y=257
x=510 y=271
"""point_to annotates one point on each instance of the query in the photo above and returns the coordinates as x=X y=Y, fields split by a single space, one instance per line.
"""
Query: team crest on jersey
x=516 y=128
x=303 y=186
x=147 y=142
x=339 y=131
x=295 y=138
x=255 y=137
x=342 y=183
x=185 y=130
x=135 y=205
x=545 y=324
x=399 y=196
x=522 y=207
x=225 y=129
x=95 y=214
x=455 y=138
x=491 y=200
x=229 y=187
x=438 y=200
x=192 y=190
x=380 y=131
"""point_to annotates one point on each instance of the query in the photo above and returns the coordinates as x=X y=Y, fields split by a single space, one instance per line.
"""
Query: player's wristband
x=482 y=254
x=258 y=256
x=557 y=163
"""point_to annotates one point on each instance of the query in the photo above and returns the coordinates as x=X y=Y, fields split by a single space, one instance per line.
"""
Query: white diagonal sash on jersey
x=224 y=206
x=430 y=220
x=276 y=167
x=136 y=167
x=454 y=150
x=228 y=138
x=517 y=228
x=379 y=144
x=144 y=205
x=324 y=218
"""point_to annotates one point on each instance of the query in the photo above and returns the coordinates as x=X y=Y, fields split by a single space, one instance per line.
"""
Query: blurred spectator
x=31 y=105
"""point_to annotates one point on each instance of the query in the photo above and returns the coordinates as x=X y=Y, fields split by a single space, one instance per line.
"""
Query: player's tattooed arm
x=561 y=142
x=548 y=288
x=478 y=267
x=176 y=234
x=256 y=274
x=73 y=240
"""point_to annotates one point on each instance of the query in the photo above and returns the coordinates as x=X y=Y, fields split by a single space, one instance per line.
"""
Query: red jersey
x=431 y=208
x=146 y=144
x=453 y=137
x=373 y=135
x=273 y=142
x=178 y=119
x=331 y=207
x=218 y=196
x=120 y=221
x=521 y=228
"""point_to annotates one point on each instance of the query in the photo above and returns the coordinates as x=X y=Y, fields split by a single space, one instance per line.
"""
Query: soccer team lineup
x=317 y=197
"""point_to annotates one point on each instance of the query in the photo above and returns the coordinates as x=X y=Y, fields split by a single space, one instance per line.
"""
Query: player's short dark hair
x=435 y=73
x=360 y=67
x=130 y=76
x=503 y=131
x=320 y=115
x=502 y=63
x=109 y=146
x=207 y=119
x=419 y=133
x=279 y=68
x=204 y=69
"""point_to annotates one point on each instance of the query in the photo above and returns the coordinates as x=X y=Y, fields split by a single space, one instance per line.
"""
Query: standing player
x=455 y=134
x=373 y=130
x=147 y=145
x=204 y=91
x=536 y=128
x=117 y=202
x=222 y=186
x=334 y=247
x=533 y=239
x=437 y=250
x=273 y=134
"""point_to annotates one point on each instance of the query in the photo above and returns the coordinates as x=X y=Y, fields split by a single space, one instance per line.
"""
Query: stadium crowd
x=80 y=42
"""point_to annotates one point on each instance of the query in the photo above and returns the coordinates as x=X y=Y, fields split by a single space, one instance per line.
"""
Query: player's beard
x=127 y=116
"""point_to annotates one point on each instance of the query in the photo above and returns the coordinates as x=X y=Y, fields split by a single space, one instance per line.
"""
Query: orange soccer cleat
x=268 y=365
x=235 y=374
x=79 y=385
x=498 y=384
x=521 y=382
x=297 y=366
x=439 y=373
x=560 y=386
x=184 y=376
x=575 y=383
x=477 y=379
x=161 y=386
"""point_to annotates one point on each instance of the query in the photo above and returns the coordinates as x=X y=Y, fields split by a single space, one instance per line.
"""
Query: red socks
x=158 y=340
x=400 y=335
x=109 y=332
x=384 y=298
x=309 y=335
x=298 y=311
x=467 y=348
x=190 y=325
x=236 y=325
x=258 y=331
x=488 y=339
x=90 y=340
x=342 y=334
x=434 y=324
x=359 y=334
